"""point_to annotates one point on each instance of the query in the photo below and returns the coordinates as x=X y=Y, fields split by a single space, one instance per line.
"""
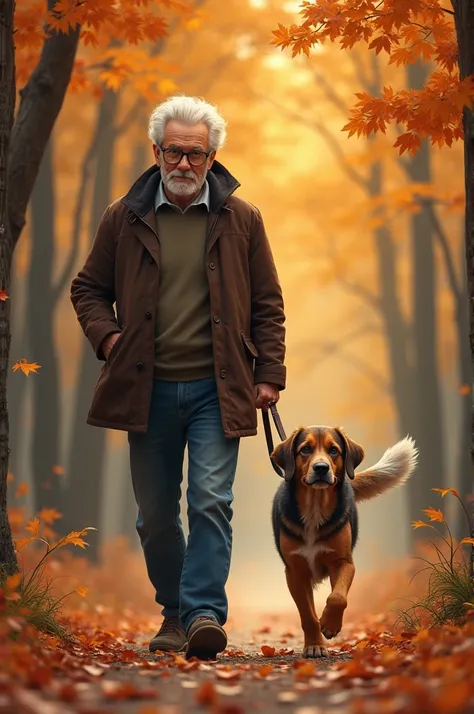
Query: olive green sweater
x=183 y=333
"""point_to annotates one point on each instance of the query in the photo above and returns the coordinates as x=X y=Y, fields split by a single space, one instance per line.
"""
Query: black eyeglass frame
x=186 y=154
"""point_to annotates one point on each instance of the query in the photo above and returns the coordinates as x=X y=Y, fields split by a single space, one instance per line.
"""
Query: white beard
x=182 y=188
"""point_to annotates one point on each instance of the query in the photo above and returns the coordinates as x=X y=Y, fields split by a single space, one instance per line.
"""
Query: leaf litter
x=103 y=665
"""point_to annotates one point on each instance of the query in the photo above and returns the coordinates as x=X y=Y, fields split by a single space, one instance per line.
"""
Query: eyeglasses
x=195 y=158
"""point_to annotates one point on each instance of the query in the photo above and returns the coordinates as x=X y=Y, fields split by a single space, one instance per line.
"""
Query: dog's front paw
x=331 y=621
x=314 y=651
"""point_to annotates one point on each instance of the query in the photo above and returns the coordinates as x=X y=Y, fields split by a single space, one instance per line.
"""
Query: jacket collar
x=141 y=196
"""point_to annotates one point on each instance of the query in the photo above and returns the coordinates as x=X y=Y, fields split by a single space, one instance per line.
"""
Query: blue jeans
x=189 y=579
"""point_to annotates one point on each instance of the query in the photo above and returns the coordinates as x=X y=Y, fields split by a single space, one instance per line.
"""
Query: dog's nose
x=320 y=468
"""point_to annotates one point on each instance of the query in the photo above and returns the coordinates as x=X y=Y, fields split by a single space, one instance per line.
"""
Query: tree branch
x=332 y=348
x=40 y=104
x=361 y=74
x=330 y=139
x=329 y=92
x=444 y=244
x=371 y=299
x=64 y=278
x=129 y=117
x=346 y=339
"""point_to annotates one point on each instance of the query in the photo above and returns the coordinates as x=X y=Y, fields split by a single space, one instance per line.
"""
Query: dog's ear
x=283 y=455
x=353 y=454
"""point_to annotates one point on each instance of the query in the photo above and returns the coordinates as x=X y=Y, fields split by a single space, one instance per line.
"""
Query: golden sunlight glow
x=292 y=6
x=244 y=47
x=276 y=61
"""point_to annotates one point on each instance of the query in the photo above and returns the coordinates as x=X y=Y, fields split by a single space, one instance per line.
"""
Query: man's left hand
x=266 y=394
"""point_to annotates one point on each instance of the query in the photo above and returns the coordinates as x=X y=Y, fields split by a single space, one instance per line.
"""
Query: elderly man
x=195 y=345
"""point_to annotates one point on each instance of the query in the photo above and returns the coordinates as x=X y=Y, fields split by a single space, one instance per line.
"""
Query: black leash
x=268 y=431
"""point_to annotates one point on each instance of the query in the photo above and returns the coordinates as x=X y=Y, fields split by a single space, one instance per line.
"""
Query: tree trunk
x=17 y=388
x=40 y=103
x=464 y=21
x=40 y=319
x=427 y=398
x=86 y=460
x=8 y=561
x=463 y=458
x=395 y=327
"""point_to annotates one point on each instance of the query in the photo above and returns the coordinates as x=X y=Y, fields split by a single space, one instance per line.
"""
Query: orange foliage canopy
x=407 y=30
x=110 y=35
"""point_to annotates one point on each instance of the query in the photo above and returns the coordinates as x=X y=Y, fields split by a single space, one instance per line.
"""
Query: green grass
x=36 y=604
x=446 y=601
x=449 y=591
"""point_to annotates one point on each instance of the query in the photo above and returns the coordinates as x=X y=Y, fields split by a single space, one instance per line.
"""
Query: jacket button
x=140 y=365
x=217 y=318
x=212 y=266
x=223 y=373
x=148 y=315
x=150 y=260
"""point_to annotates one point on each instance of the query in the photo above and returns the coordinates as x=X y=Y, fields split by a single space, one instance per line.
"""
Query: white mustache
x=182 y=174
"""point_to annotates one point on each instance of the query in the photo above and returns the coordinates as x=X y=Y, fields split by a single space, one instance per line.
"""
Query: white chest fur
x=313 y=520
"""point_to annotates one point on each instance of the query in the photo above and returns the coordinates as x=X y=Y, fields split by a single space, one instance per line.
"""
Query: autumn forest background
x=369 y=249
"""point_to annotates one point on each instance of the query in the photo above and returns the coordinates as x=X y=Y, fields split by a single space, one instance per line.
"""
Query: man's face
x=184 y=178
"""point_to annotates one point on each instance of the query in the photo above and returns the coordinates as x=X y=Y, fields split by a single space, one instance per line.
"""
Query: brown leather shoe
x=205 y=639
x=171 y=637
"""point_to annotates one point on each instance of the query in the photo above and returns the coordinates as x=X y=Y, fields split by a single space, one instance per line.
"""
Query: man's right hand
x=109 y=342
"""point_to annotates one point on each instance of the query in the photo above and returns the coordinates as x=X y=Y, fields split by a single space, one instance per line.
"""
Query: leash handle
x=268 y=431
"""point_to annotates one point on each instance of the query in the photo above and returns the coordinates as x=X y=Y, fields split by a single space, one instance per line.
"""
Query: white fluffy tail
x=395 y=467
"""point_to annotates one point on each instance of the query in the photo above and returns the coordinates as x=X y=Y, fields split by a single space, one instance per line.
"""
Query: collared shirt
x=204 y=197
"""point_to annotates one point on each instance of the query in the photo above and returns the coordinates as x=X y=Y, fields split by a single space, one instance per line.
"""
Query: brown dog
x=315 y=517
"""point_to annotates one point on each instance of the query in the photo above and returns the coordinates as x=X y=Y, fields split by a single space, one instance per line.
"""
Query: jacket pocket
x=114 y=349
x=249 y=345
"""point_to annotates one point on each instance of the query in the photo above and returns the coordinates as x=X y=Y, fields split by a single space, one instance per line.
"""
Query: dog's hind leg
x=300 y=585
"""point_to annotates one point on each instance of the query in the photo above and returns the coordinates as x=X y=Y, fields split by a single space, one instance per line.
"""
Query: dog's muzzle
x=320 y=473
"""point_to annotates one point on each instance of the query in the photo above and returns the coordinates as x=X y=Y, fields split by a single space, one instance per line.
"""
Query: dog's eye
x=333 y=451
x=306 y=449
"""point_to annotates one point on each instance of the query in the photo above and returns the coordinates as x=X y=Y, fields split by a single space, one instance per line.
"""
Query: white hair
x=190 y=110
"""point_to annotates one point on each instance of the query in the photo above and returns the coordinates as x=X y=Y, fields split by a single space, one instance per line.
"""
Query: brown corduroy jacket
x=247 y=313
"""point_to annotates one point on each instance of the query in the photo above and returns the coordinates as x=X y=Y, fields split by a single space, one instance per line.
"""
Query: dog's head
x=320 y=456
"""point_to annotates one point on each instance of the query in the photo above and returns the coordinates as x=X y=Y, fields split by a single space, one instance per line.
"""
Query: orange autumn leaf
x=408 y=32
x=265 y=670
x=453 y=697
x=22 y=489
x=49 y=515
x=105 y=25
x=434 y=514
x=268 y=651
x=305 y=671
x=58 y=470
x=10 y=477
x=206 y=695
x=444 y=491
x=13 y=581
x=75 y=538
x=3 y=295
x=421 y=524
x=228 y=675
x=33 y=527
x=467 y=541
x=464 y=389
x=26 y=367
x=81 y=591
x=19 y=544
